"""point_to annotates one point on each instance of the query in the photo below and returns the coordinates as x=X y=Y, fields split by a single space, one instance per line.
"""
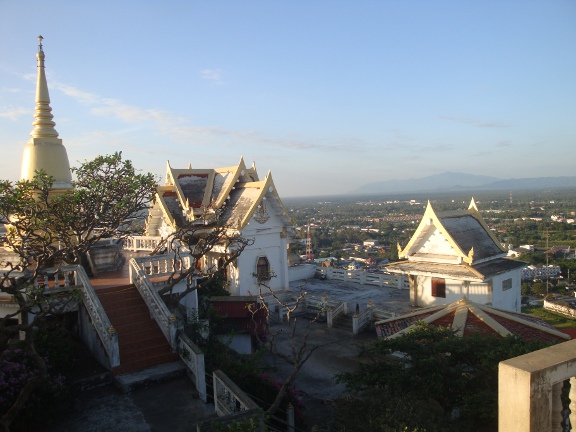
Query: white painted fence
x=561 y=309
x=365 y=278
x=142 y=243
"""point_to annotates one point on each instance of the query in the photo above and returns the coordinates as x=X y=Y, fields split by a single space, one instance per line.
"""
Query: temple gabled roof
x=454 y=244
x=465 y=318
x=195 y=194
x=456 y=236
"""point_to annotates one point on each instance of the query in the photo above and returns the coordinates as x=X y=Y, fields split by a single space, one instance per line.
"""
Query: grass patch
x=554 y=319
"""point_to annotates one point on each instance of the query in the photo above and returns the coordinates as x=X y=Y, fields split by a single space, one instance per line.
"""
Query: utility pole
x=309 y=253
x=547 y=269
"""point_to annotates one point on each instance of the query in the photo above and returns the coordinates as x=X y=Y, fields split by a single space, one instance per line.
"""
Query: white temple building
x=453 y=255
x=235 y=197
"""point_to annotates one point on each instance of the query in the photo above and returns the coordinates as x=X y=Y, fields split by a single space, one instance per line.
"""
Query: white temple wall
x=507 y=291
x=455 y=290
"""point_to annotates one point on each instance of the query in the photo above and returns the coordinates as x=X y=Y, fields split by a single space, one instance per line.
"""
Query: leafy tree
x=539 y=288
x=45 y=229
x=449 y=375
x=526 y=289
x=195 y=239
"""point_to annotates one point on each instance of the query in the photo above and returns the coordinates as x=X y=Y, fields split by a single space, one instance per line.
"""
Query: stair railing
x=100 y=320
x=333 y=313
x=158 y=309
x=193 y=357
x=228 y=397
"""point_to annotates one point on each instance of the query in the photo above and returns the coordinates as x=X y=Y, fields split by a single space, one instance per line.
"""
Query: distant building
x=533 y=272
x=561 y=252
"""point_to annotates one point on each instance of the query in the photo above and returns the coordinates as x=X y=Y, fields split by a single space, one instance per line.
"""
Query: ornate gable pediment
x=457 y=237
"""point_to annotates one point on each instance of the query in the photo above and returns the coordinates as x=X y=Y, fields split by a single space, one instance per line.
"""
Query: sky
x=327 y=95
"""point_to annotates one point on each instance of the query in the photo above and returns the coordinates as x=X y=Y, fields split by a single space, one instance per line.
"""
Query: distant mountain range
x=450 y=181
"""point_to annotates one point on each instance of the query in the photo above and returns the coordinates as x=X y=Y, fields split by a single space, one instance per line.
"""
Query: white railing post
x=329 y=317
x=556 y=419
x=528 y=388
x=572 y=396
x=290 y=418
x=193 y=357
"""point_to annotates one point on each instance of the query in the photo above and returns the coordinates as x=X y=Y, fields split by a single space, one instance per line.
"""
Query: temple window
x=263 y=268
x=438 y=287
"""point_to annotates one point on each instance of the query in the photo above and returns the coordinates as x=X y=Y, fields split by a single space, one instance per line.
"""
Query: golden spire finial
x=44 y=151
x=43 y=123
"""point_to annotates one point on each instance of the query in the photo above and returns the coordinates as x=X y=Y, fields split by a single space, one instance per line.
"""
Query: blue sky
x=328 y=95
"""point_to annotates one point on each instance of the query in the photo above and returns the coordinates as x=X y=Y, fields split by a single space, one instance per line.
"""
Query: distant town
x=363 y=232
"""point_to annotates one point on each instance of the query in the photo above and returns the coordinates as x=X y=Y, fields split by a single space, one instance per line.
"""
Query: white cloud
x=13 y=113
x=214 y=75
x=180 y=130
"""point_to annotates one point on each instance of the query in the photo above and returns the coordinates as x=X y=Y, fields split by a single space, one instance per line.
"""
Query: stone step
x=135 y=332
x=148 y=351
x=142 y=364
x=128 y=382
x=133 y=344
x=129 y=309
x=125 y=294
x=141 y=342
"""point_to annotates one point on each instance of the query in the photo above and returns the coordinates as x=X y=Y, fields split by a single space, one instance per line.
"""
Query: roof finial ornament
x=43 y=123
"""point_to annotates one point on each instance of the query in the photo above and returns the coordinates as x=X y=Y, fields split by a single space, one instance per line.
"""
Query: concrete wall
x=300 y=272
x=90 y=338
x=106 y=256
x=455 y=290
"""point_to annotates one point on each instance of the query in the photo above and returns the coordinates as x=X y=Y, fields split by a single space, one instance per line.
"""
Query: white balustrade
x=142 y=243
x=334 y=313
x=193 y=357
x=365 y=278
x=228 y=397
x=529 y=389
x=98 y=316
x=158 y=309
